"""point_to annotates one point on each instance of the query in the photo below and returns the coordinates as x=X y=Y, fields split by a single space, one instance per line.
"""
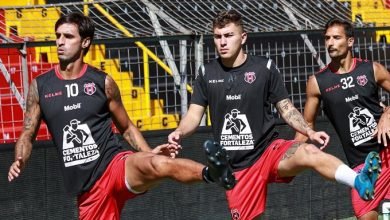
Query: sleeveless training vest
x=351 y=103
x=79 y=121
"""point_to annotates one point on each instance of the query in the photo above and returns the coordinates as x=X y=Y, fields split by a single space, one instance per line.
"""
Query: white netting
x=176 y=17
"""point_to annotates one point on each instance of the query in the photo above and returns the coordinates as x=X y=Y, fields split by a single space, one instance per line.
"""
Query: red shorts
x=248 y=198
x=382 y=187
x=108 y=195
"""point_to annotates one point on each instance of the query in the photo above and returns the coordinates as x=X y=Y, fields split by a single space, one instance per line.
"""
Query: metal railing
x=294 y=58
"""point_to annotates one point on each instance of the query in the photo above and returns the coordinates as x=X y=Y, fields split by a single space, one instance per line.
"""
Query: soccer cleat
x=368 y=175
x=219 y=169
x=364 y=186
x=372 y=166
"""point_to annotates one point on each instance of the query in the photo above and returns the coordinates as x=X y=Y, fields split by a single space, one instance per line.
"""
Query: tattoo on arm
x=32 y=117
x=33 y=113
x=27 y=123
x=292 y=116
x=282 y=106
x=112 y=90
x=131 y=140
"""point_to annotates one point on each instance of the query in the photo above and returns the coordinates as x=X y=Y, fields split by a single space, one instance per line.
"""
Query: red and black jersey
x=79 y=121
x=240 y=105
x=351 y=103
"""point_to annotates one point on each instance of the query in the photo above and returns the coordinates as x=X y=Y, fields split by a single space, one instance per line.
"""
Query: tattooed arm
x=295 y=119
x=122 y=121
x=32 y=119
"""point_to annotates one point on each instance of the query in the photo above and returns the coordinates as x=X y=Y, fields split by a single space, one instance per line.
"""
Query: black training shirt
x=79 y=121
x=240 y=105
x=351 y=103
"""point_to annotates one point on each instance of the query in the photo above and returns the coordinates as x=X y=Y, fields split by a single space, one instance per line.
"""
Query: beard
x=67 y=59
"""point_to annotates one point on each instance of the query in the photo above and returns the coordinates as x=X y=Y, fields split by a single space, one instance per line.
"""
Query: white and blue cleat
x=368 y=175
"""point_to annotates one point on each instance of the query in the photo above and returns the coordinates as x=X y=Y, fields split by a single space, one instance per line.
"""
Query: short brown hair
x=84 y=24
x=226 y=17
x=348 y=27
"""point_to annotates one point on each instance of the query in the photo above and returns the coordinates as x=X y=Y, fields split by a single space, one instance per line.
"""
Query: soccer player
x=95 y=167
x=239 y=90
x=348 y=88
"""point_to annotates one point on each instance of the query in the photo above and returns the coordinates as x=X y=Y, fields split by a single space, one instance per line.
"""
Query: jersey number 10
x=72 y=90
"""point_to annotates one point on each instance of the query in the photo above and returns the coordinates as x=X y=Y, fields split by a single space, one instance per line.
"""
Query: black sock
x=206 y=176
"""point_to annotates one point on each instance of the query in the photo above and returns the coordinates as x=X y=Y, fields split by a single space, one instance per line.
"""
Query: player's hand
x=15 y=169
x=319 y=137
x=175 y=138
x=170 y=150
x=382 y=131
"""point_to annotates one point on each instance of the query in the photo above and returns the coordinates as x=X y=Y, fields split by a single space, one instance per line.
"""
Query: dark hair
x=348 y=28
x=225 y=17
x=85 y=25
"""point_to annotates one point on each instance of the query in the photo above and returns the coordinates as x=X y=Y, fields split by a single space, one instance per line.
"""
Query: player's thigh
x=372 y=215
x=144 y=170
x=297 y=158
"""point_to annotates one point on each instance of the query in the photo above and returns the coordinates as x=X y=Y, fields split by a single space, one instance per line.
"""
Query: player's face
x=229 y=40
x=69 y=42
x=336 y=41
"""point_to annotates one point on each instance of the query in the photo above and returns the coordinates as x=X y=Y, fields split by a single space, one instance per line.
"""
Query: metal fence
x=297 y=54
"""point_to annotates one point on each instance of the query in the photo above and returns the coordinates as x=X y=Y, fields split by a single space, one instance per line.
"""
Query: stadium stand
x=152 y=49
x=151 y=109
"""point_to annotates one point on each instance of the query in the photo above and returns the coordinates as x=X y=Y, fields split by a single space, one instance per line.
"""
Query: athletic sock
x=345 y=175
x=205 y=175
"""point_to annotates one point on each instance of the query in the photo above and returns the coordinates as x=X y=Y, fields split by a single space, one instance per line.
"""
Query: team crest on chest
x=362 y=80
x=89 y=88
x=250 y=77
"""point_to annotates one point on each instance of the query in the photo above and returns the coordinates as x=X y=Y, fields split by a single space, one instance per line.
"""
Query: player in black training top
x=79 y=104
x=348 y=88
x=239 y=90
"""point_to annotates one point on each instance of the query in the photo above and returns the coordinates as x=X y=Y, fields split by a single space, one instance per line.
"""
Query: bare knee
x=372 y=215
x=161 y=165
x=297 y=158
x=311 y=156
x=145 y=170
x=308 y=154
x=311 y=149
